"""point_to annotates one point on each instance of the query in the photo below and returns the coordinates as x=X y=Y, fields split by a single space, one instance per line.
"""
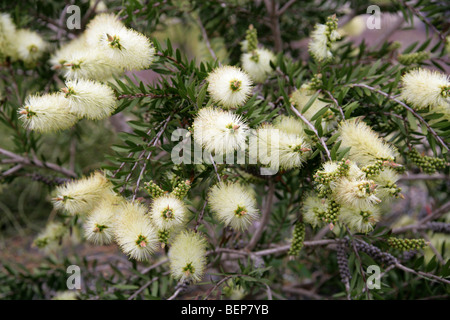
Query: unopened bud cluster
x=181 y=190
x=164 y=236
x=153 y=189
x=428 y=164
x=298 y=236
x=407 y=244
x=413 y=58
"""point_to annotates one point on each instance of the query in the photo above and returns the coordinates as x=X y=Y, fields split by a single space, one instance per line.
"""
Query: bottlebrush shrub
x=225 y=149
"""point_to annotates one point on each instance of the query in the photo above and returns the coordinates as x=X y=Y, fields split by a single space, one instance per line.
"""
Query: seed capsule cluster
x=342 y=261
x=441 y=227
x=375 y=253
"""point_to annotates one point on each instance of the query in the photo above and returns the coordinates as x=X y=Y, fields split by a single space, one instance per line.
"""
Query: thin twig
x=311 y=126
x=205 y=37
x=336 y=103
x=265 y=217
x=432 y=247
x=421 y=224
x=285 y=7
x=158 y=136
x=422 y=120
x=37 y=163
x=422 y=274
x=215 y=167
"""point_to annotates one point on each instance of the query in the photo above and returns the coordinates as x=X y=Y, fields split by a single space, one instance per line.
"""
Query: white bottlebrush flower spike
x=29 y=45
x=229 y=86
x=314 y=210
x=322 y=38
x=81 y=196
x=101 y=25
x=366 y=145
x=218 y=131
x=386 y=181
x=354 y=27
x=423 y=88
x=362 y=219
x=277 y=149
x=233 y=204
x=356 y=193
x=168 y=212
x=66 y=295
x=49 y=112
x=51 y=237
x=99 y=225
x=127 y=49
x=257 y=64
x=134 y=232
x=62 y=54
x=300 y=97
x=89 y=99
x=290 y=125
x=7 y=39
x=86 y=64
x=318 y=46
x=187 y=256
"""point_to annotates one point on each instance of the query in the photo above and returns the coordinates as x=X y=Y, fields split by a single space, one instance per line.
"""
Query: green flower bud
x=298 y=236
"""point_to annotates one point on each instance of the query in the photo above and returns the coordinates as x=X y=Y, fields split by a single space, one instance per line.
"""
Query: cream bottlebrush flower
x=257 y=64
x=356 y=193
x=87 y=64
x=290 y=125
x=29 y=45
x=49 y=112
x=366 y=145
x=62 y=54
x=81 y=196
x=277 y=149
x=7 y=37
x=127 y=49
x=66 y=295
x=99 y=225
x=99 y=26
x=89 y=99
x=187 y=256
x=362 y=219
x=423 y=88
x=386 y=181
x=218 y=131
x=314 y=210
x=134 y=232
x=51 y=237
x=318 y=46
x=323 y=36
x=233 y=205
x=301 y=96
x=354 y=27
x=229 y=86
x=168 y=212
